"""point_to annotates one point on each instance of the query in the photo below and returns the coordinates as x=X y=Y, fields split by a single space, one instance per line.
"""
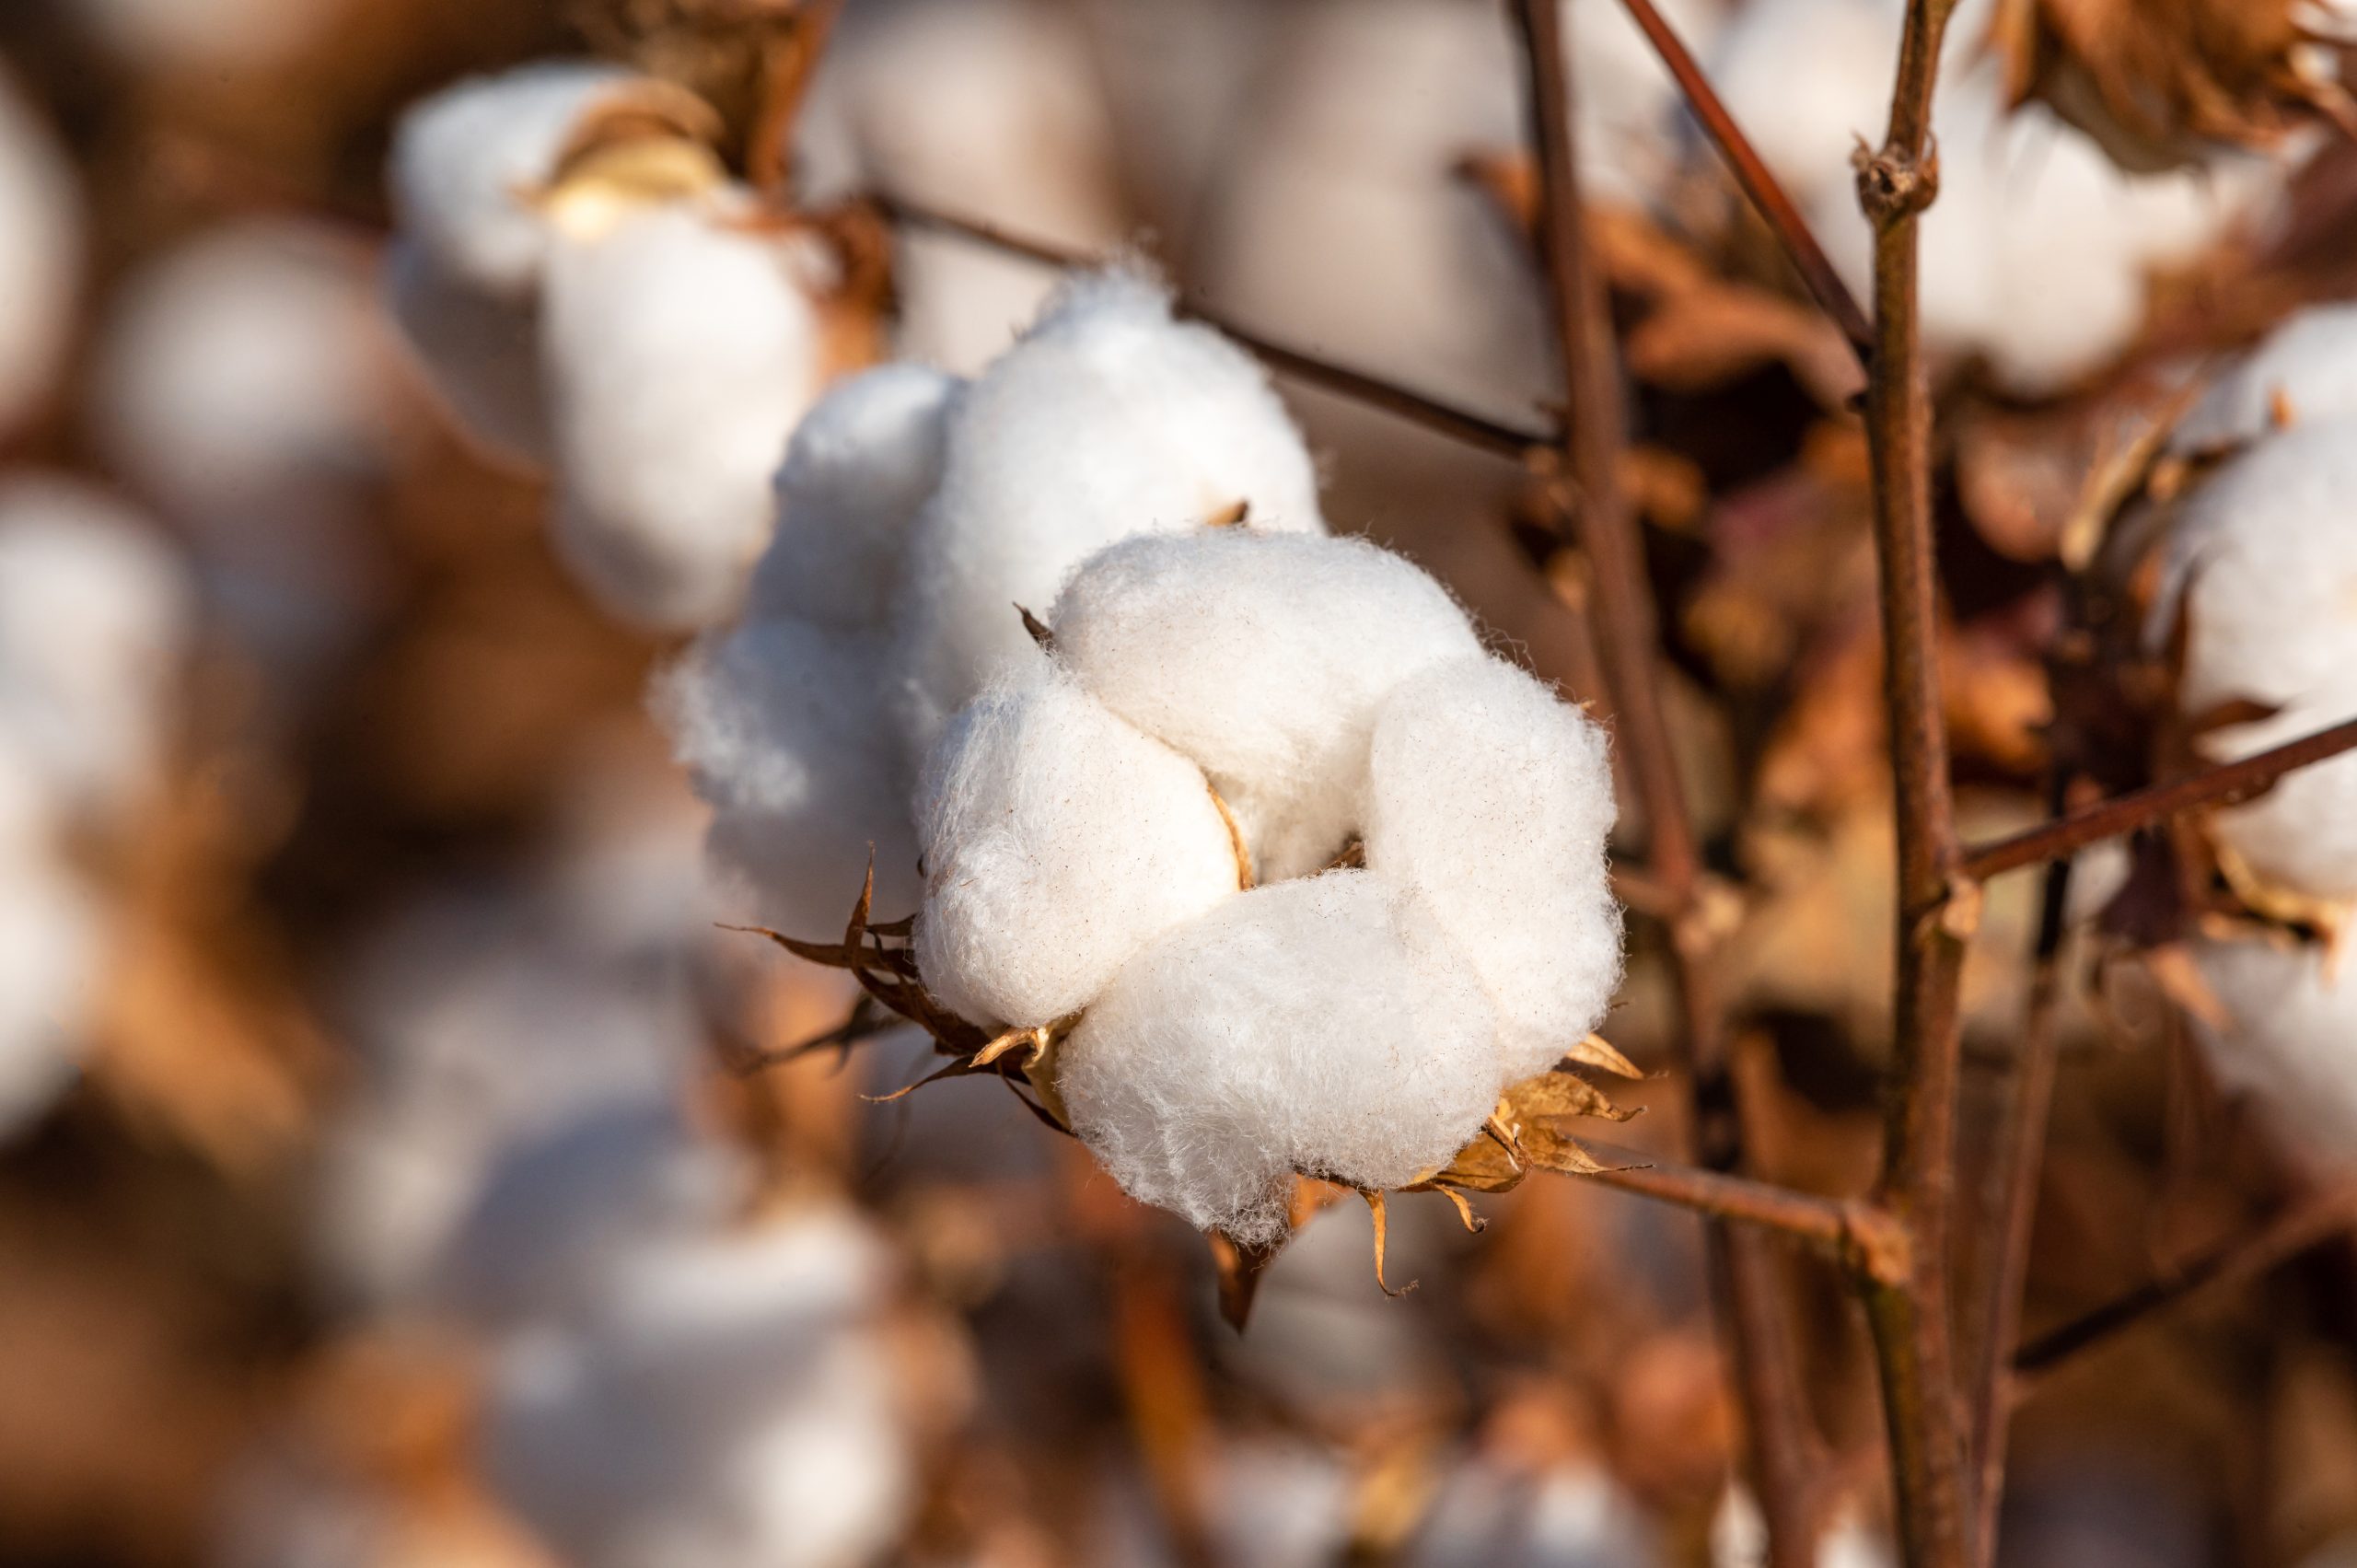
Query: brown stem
x=1853 y=1234
x=789 y=64
x=1911 y=1321
x=1784 y=1444
x=1767 y=197
x=1458 y=424
x=2225 y=784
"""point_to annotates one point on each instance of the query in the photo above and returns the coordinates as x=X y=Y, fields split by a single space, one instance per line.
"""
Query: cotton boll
x=1808 y=80
x=783 y=725
x=1320 y=1025
x=206 y=36
x=479 y=354
x=96 y=614
x=2309 y=361
x=1058 y=842
x=862 y=464
x=1491 y=801
x=679 y=349
x=52 y=951
x=41 y=254
x=1108 y=419
x=1263 y=659
x=2288 y=1040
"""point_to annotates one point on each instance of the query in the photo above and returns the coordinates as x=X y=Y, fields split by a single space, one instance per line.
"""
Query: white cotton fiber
x=1321 y=1024
x=207 y=38
x=2269 y=566
x=783 y=726
x=96 y=614
x=1263 y=657
x=860 y=465
x=679 y=348
x=51 y=949
x=467 y=163
x=2309 y=361
x=2288 y=1040
x=1491 y=800
x=1108 y=419
x=1058 y=842
x=41 y=254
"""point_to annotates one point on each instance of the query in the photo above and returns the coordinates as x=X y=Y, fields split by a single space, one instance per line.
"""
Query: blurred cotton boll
x=2286 y=1038
x=247 y=387
x=41 y=254
x=51 y=953
x=205 y=36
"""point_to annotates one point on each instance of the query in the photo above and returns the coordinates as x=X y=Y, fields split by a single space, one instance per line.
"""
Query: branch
x=1857 y=1235
x=1767 y=197
x=1458 y=424
x=1783 y=1442
x=2225 y=784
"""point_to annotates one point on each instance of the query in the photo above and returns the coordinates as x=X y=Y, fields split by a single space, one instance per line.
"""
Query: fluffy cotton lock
x=679 y=349
x=2287 y=1040
x=2268 y=565
x=1321 y=1025
x=41 y=253
x=1490 y=800
x=1263 y=657
x=1058 y=842
x=1108 y=419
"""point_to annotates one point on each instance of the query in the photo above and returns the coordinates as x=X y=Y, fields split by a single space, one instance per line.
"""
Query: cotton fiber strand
x=1321 y=1024
x=1108 y=419
x=783 y=725
x=679 y=352
x=1491 y=801
x=2289 y=1041
x=41 y=254
x=1263 y=659
x=1058 y=842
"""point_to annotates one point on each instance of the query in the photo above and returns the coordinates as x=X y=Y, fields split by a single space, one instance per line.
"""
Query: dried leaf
x=1374 y=1207
x=1598 y=1052
x=1238 y=1269
x=1561 y=1094
x=1039 y=630
x=1243 y=851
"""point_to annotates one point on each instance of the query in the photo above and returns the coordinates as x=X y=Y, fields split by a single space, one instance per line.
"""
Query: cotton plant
x=593 y=293
x=41 y=253
x=2280 y=1033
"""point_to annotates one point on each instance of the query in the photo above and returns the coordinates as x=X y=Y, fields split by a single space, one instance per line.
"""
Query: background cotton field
x=1229 y=784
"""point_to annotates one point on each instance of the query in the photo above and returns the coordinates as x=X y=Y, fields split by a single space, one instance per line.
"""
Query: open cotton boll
x=1491 y=800
x=479 y=354
x=1263 y=659
x=96 y=614
x=2288 y=1040
x=1108 y=419
x=782 y=727
x=41 y=254
x=1808 y=80
x=2309 y=363
x=1320 y=1025
x=679 y=349
x=1058 y=842
x=860 y=465
x=206 y=36
x=52 y=949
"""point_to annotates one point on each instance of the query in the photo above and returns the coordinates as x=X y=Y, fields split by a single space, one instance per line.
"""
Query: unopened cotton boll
x=1108 y=419
x=1320 y=1025
x=862 y=464
x=41 y=254
x=2269 y=568
x=2287 y=1039
x=2307 y=367
x=679 y=349
x=1491 y=799
x=1263 y=657
x=1058 y=842
x=783 y=725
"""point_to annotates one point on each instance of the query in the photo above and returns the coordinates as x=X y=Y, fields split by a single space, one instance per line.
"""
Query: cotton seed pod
x=2304 y=371
x=782 y=724
x=861 y=466
x=2269 y=572
x=1263 y=659
x=2286 y=1036
x=1058 y=842
x=1108 y=419
x=1323 y=1024
x=1491 y=801
x=41 y=254
x=678 y=350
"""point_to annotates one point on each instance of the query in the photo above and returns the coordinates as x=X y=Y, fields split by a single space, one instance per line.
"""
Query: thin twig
x=1783 y=1442
x=1855 y=1235
x=1911 y=1322
x=1463 y=426
x=1751 y=172
x=2224 y=784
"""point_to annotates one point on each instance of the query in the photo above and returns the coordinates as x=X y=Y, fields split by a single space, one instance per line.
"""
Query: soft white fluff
x=467 y=162
x=678 y=348
x=1321 y=1024
x=783 y=725
x=719 y=1401
x=1263 y=659
x=2309 y=361
x=1108 y=419
x=41 y=254
x=96 y=613
x=861 y=462
x=1058 y=842
x=2269 y=566
x=2288 y=1040
x=1491 y=800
